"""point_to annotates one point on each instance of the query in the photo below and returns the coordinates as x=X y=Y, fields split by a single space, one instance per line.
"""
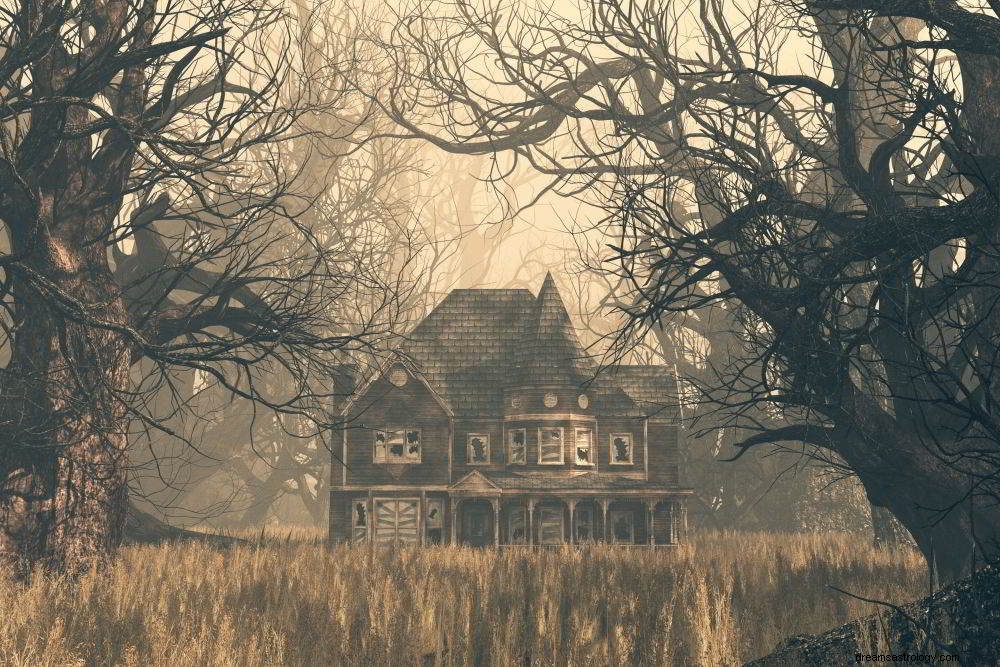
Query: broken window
x=516 y=531
x=479 y=448
x=359 y=520
x=397 y=445
x=584 y=440
x=517 y=446
x=623 y=527
x=434 y=521
x=621 y=448
x=550 y=445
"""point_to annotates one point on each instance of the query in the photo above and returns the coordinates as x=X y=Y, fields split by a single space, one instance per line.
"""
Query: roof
x=545 y=481
x=465 y=347
x=477 y=342
x=550 y=353
x=653 y=388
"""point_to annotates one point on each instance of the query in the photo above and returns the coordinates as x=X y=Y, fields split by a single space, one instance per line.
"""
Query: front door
x=396 y=521
x=477 y=524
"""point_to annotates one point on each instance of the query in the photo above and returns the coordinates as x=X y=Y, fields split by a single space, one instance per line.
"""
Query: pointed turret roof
x=550 y=353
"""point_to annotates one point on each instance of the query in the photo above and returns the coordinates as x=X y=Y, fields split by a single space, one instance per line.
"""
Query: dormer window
x=397 y=445
x=621 y=448
x=517 y=451
x=584 y=447
x=478 y=448
x=550 y=445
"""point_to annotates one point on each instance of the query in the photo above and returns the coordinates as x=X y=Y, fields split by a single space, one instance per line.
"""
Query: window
x=517 y=451
x=434 y=521
x=550 y=525
x=584 y=440
x=621 y=448
x=478 y=448
x=516 y=532
x=397 y=445
x=622 y=527
x=359 y=521
x=550 y=445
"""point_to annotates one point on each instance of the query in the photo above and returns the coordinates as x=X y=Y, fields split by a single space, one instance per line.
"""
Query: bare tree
x=823 y=175
x=148 y=214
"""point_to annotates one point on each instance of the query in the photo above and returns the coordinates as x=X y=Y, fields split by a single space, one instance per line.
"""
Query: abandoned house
x=494 y=431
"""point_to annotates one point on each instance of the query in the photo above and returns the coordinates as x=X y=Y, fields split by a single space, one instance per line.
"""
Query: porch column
x=421 y=517
x=604 y=516
x=531 y=520
x=495 y=502
x=572 y=527
x=650 y=508
x=453 y=519
x=672 y=522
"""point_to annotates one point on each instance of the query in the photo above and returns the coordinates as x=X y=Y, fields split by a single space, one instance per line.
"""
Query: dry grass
x=719 y=600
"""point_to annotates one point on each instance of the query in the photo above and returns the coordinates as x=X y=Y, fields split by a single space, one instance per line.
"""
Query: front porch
x=549 y=520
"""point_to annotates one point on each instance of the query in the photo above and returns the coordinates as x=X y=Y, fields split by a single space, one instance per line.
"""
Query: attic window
x=517 y=451
x=621 y=448
x=397 y=445
x=550 y=445
x=479 y=448
x=584 y=449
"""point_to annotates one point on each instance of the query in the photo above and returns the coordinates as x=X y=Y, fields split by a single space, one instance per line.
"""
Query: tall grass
x=719 y=600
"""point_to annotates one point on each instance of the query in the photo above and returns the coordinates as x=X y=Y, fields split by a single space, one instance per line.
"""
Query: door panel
x=396 y=521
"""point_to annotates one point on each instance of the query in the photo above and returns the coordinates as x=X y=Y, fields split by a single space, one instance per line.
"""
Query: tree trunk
x=63 y=492
x=953 y=528
x=886 y=529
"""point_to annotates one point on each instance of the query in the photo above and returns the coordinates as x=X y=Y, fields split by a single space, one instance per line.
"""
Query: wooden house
x=494 y=431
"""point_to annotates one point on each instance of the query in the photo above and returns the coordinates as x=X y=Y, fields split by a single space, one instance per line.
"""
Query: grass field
x=718 y=600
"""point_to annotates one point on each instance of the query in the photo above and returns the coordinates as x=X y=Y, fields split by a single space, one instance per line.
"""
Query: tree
x=839 y=208
x=148 y=215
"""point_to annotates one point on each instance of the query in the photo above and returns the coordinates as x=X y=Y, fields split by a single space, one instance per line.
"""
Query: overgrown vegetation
x=721 y=599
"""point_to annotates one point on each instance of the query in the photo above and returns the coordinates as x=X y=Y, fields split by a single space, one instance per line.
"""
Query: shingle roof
x=476 y=342
x=465 y=347
x=653 y=388
x=550 y=352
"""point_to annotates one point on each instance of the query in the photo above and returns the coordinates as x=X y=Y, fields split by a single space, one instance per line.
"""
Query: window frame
x=360 y=533
x=405 y=459
x=590 y=447
x=562 y=446
x=524 y=446
x=485 y=437
x=611 y=449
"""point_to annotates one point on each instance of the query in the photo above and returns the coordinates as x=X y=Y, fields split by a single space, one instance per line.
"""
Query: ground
x=720 y=599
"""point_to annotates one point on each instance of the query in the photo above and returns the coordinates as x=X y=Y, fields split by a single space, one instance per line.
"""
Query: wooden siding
x=412 y=406
x=664 y=454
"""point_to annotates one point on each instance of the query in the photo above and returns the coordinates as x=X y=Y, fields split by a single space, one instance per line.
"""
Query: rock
x=962 y=620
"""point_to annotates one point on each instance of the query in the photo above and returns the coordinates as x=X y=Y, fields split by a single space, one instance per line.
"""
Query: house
x=494 y=431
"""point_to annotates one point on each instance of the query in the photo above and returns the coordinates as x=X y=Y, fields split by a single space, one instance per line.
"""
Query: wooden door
x=396 y=521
